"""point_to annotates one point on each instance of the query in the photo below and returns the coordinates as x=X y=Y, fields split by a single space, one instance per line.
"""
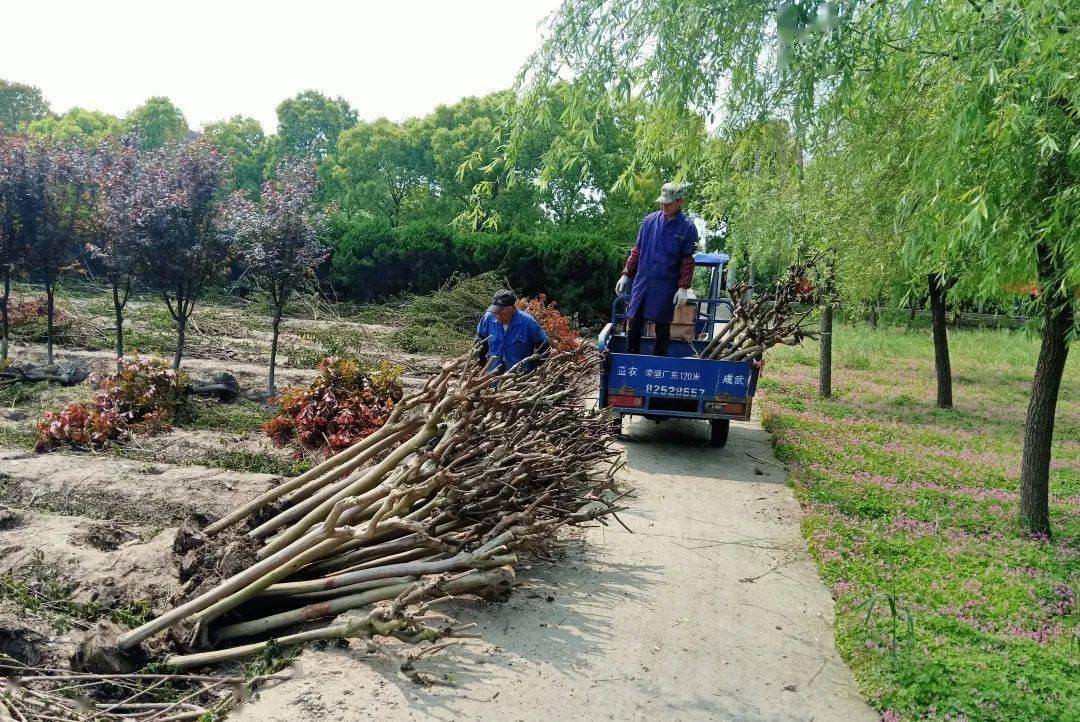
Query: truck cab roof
x=711 y=259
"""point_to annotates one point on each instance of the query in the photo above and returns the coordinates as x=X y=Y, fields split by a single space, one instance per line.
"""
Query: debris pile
x=466 y=473
x=766 y=320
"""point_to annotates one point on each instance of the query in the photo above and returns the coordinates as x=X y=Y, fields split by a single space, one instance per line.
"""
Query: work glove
x=623 y=285
x=680 y=297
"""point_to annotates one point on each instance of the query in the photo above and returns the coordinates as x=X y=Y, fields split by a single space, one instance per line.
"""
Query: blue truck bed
x=685 y=387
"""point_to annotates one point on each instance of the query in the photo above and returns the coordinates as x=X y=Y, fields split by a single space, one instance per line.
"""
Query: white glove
x=680 y=297
x=623 y=285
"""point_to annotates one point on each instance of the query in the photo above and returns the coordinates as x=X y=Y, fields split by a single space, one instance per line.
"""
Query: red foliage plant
x=138 y=399
x=344 y=404
x=561 y=332
x=33 y=309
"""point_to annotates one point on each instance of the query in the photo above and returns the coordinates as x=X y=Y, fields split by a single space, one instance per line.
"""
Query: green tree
x=78 y=124
x=242 y=142
x=157 y=122
x=20 y=103
x=991 y=193
x=309 y=123
x=382 y=168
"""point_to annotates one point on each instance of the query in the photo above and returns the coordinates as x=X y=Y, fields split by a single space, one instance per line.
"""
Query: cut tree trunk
x=181 y=332
x=938 y=290
x=825 y=372
x=1039 y=427
x=50 y=295
x=4 y=317
x=118 y=308
x=271 y=389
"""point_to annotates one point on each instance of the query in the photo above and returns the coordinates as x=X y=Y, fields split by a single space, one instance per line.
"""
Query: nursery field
x=945 y=609
x=81 y=530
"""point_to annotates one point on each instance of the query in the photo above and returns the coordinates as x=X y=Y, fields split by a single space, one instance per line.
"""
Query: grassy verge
x=945 y=608
x=238 y=417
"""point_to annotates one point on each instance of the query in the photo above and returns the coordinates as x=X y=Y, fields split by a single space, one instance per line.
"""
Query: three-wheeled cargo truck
x=681 y=385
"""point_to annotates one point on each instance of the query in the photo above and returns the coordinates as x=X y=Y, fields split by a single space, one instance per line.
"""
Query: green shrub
x=445 y=322
x=576 y=267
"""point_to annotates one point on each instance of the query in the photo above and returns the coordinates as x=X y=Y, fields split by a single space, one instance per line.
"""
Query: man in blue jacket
x=510 y=335
x=659 y=271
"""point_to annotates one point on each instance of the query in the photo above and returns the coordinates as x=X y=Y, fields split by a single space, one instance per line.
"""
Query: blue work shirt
x=519 y=340
x=662 y=245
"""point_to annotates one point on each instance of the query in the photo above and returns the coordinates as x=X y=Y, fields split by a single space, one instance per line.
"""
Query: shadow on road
x=556 y=621
x=682 y=447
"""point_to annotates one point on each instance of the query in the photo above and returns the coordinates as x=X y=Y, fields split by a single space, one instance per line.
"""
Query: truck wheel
x=718 y=432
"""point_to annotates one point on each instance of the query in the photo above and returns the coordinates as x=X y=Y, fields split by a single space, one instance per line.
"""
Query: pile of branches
x=465 y=474
x=38 y=693
x=445 y=322
x=768 y=319
x=65 y=373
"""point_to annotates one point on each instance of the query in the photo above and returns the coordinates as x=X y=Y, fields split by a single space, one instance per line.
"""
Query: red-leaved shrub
x=561 y=333
x=342 y=405
x=23 y=310
x=138 y=399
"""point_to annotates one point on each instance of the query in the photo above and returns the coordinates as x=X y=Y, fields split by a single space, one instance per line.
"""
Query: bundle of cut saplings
x=465 y=475
x=760 y=322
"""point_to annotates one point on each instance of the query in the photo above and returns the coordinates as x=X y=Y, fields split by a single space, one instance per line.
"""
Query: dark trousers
x=637 y=326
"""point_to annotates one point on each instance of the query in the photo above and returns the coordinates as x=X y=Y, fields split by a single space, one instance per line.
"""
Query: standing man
x=509 y=335
x=661 y=268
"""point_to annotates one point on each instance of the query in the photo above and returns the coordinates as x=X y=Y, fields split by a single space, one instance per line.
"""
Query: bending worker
x=509 y=335
x=661 y=268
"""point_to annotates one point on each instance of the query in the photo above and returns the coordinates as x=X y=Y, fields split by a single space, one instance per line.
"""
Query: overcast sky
x=396 y=58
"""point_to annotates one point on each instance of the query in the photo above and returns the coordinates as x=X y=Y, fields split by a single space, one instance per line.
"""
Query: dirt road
x=711 y=609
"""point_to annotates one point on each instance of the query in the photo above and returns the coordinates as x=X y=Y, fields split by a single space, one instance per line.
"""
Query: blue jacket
x=662 y=245
x=506 y=347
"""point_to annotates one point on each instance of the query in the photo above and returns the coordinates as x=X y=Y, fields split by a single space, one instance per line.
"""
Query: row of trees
x=395 y=184
x=922 y=148
x=163 y=218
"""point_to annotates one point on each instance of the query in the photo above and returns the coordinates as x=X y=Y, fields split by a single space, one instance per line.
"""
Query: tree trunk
x=271 y=390
x=4 y=316
x=50 y=294
x=941 y=341
x=1039 y=427
x=825 y=371
x=118 y=307
x=911 y=316
x=181 y=331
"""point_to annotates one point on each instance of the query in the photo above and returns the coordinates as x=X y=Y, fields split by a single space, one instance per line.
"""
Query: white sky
x=215 y=59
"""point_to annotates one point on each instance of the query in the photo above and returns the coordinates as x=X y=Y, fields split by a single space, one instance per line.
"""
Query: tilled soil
x=92 y=529
x=105 y=563
x=98 y=486
x=110 y=533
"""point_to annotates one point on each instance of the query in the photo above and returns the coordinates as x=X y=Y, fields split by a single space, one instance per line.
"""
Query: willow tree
x=991 y=190
x=992 y=186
